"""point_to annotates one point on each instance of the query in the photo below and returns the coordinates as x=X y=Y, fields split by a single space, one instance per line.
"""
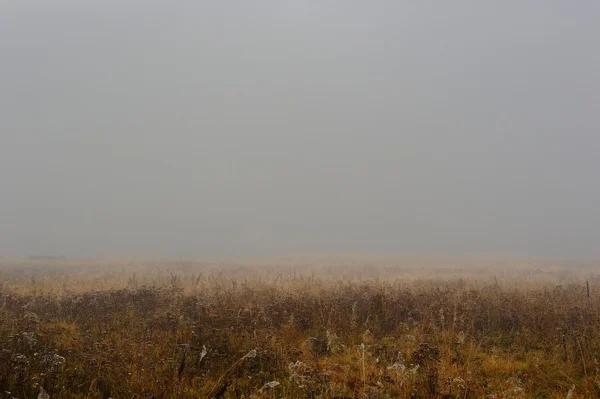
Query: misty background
x=196 y=128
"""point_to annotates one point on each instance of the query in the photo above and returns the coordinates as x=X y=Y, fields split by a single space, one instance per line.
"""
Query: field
x=331 y=327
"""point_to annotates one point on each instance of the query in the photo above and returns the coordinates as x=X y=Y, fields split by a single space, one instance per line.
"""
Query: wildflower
x=269 y=385
x=250 y=355
x=58 y=360
x=21 y=359
x=43 y=394
x=31 y=317
x=397 y=367
x=30 y=338
x=203 y=353
x=333 y=342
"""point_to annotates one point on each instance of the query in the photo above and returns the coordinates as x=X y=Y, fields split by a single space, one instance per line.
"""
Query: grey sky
x=284 y=127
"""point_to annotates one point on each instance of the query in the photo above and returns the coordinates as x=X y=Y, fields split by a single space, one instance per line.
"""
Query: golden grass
x=280 y=328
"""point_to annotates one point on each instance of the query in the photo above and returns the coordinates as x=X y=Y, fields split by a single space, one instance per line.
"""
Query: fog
x=247 y=128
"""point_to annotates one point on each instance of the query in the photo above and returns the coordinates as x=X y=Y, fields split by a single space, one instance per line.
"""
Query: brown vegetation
x=73 y=329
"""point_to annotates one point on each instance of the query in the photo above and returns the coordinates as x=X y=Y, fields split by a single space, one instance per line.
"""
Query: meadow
x=329 y=327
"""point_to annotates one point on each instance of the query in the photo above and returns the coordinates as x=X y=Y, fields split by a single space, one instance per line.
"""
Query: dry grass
x=304 y=328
